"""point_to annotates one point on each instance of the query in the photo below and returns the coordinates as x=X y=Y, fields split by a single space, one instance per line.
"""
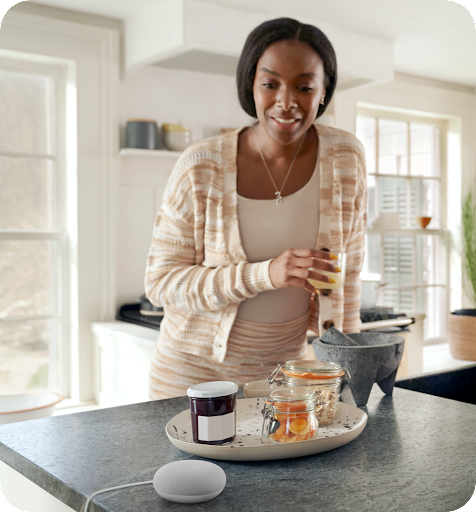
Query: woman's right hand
x=291 y=268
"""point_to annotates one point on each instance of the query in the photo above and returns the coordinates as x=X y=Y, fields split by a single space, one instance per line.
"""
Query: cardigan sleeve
x=173 y=278
x=355 y=253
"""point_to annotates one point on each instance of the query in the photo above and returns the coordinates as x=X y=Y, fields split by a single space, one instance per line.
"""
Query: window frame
x=19 y=62
x=91 y=45
x=443 y=232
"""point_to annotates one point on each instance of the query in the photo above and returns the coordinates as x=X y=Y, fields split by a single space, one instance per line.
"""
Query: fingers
x=320 y=277
x=314 y=253
x=312 y=263
x=302 y=283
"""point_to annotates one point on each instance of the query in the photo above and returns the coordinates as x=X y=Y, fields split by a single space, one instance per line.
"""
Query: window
x=33 y=236
x=405 y=184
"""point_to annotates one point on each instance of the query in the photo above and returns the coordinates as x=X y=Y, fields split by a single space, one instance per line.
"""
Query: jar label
x=216 y=428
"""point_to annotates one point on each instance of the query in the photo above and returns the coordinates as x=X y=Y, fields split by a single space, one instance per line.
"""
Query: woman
x=246 y=214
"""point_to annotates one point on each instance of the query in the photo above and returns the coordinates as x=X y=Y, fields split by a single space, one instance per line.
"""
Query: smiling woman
x=249 y=216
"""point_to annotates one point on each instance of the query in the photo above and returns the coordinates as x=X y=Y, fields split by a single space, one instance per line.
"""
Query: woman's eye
x=269 y=86
x=305 y=89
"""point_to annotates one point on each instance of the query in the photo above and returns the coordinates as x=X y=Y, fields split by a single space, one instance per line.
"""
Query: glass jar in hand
x=213 y=412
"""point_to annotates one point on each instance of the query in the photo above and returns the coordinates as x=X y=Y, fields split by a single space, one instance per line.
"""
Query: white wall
x=201 y=101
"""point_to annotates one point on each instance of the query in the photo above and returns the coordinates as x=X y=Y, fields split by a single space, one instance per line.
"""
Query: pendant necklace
x=279 y=197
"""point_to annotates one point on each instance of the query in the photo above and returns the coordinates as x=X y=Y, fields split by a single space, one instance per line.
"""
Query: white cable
x=112 y=489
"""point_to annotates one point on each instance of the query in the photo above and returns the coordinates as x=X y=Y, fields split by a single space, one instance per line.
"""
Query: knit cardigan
x=197 y=268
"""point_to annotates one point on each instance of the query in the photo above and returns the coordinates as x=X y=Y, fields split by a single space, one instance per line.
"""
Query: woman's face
x=288 y=86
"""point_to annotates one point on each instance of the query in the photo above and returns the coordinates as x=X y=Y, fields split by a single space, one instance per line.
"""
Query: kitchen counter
x=416 y=454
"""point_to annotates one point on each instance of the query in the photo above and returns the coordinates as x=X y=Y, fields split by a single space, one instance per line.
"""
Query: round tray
x=249 y=444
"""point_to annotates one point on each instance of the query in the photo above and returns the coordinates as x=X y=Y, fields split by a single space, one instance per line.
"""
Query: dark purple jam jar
x=213 y=411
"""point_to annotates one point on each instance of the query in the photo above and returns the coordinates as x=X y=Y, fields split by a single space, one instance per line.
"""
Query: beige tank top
x=267 y=230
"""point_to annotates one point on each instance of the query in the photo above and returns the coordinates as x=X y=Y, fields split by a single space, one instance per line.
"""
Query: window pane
x=372 y=206
x=26 y=194
x=372 y=259
x=27 y=273
x=366 y=134
x=26 y=112
x=393 y=199
x=426 y=202
x=398 y=260
x=400 y=300
x=425 y=150
x=430 y=261
x=432 y=302
x=25 y=355
x=392 y=147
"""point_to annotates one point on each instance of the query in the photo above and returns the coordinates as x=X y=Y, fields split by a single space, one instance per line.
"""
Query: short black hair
x=271 y=32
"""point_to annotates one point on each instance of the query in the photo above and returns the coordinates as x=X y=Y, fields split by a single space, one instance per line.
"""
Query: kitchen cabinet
x=416 y=454
x=122 y=356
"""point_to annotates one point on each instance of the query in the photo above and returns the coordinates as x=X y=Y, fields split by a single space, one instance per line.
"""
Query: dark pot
x=465 y=312
x=148 y=309
x=142 y=134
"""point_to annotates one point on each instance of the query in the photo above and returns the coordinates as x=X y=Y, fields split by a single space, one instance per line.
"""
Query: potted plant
x=462 y=324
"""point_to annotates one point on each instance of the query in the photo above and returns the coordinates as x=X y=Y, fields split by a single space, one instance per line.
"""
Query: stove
x=384 y=319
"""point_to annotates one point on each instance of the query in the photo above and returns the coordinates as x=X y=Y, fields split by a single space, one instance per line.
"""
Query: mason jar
x=289 y=415
x=324 y=377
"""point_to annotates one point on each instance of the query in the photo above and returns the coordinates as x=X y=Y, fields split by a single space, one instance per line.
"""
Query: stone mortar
x=375 y=359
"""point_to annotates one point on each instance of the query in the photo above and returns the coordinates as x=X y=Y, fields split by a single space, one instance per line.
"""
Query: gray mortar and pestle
x=368 y=357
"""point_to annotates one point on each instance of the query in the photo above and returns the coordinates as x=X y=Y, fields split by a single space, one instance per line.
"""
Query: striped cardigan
x=197 y=268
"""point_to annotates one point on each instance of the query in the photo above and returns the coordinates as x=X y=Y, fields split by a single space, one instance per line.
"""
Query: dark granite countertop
x=416 y=454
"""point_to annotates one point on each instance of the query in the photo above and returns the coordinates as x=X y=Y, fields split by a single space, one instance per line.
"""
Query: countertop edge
x=62 y=491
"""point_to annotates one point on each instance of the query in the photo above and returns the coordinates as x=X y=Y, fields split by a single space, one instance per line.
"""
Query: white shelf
x=419 y=231
x=156 y=153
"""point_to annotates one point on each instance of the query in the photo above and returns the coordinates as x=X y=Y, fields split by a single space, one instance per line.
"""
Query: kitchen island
x=416 y=454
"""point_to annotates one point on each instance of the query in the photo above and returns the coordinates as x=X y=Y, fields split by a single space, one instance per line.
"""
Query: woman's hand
x=291 y=268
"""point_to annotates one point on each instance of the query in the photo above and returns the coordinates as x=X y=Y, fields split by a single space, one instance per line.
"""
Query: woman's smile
x=286 y=123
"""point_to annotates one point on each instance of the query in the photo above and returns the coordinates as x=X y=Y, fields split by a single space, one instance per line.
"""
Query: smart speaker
x=189 y=481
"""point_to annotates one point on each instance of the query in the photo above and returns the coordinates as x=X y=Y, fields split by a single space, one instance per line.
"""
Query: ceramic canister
x=142 y=133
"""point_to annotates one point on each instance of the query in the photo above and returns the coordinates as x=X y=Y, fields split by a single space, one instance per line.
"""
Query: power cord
x=112 y=489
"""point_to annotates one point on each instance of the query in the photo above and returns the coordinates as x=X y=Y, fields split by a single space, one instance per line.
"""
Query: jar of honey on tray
x=324 y=377
x=289 y=415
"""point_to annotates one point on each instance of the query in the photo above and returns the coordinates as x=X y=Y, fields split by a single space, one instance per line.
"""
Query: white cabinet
x=122 y=355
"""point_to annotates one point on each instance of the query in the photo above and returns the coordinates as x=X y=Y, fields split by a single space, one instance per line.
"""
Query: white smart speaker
x=189 y=481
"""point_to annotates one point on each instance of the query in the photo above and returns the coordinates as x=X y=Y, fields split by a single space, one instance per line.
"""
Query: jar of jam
x=213 y=412
x=324 y=377
x=289 y=415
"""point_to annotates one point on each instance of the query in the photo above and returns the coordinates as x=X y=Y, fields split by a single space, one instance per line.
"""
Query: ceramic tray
x=249 y=444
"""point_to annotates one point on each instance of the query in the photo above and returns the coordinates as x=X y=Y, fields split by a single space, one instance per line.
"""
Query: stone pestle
x=334 y=337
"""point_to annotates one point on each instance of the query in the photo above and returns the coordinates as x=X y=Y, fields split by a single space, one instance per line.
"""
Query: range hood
x=195 y=36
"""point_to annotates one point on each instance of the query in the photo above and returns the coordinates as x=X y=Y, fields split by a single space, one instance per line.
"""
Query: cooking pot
x=148 y=309
x=370 y=290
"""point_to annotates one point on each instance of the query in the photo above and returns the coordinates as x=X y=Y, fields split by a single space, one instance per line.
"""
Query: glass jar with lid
x=324 y=377
x=289 y=415
x=213 y=412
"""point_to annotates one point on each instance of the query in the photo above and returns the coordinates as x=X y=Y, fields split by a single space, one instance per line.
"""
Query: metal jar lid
x=310 y=369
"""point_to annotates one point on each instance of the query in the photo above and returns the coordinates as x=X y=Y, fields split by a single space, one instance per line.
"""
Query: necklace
x=279 y=197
